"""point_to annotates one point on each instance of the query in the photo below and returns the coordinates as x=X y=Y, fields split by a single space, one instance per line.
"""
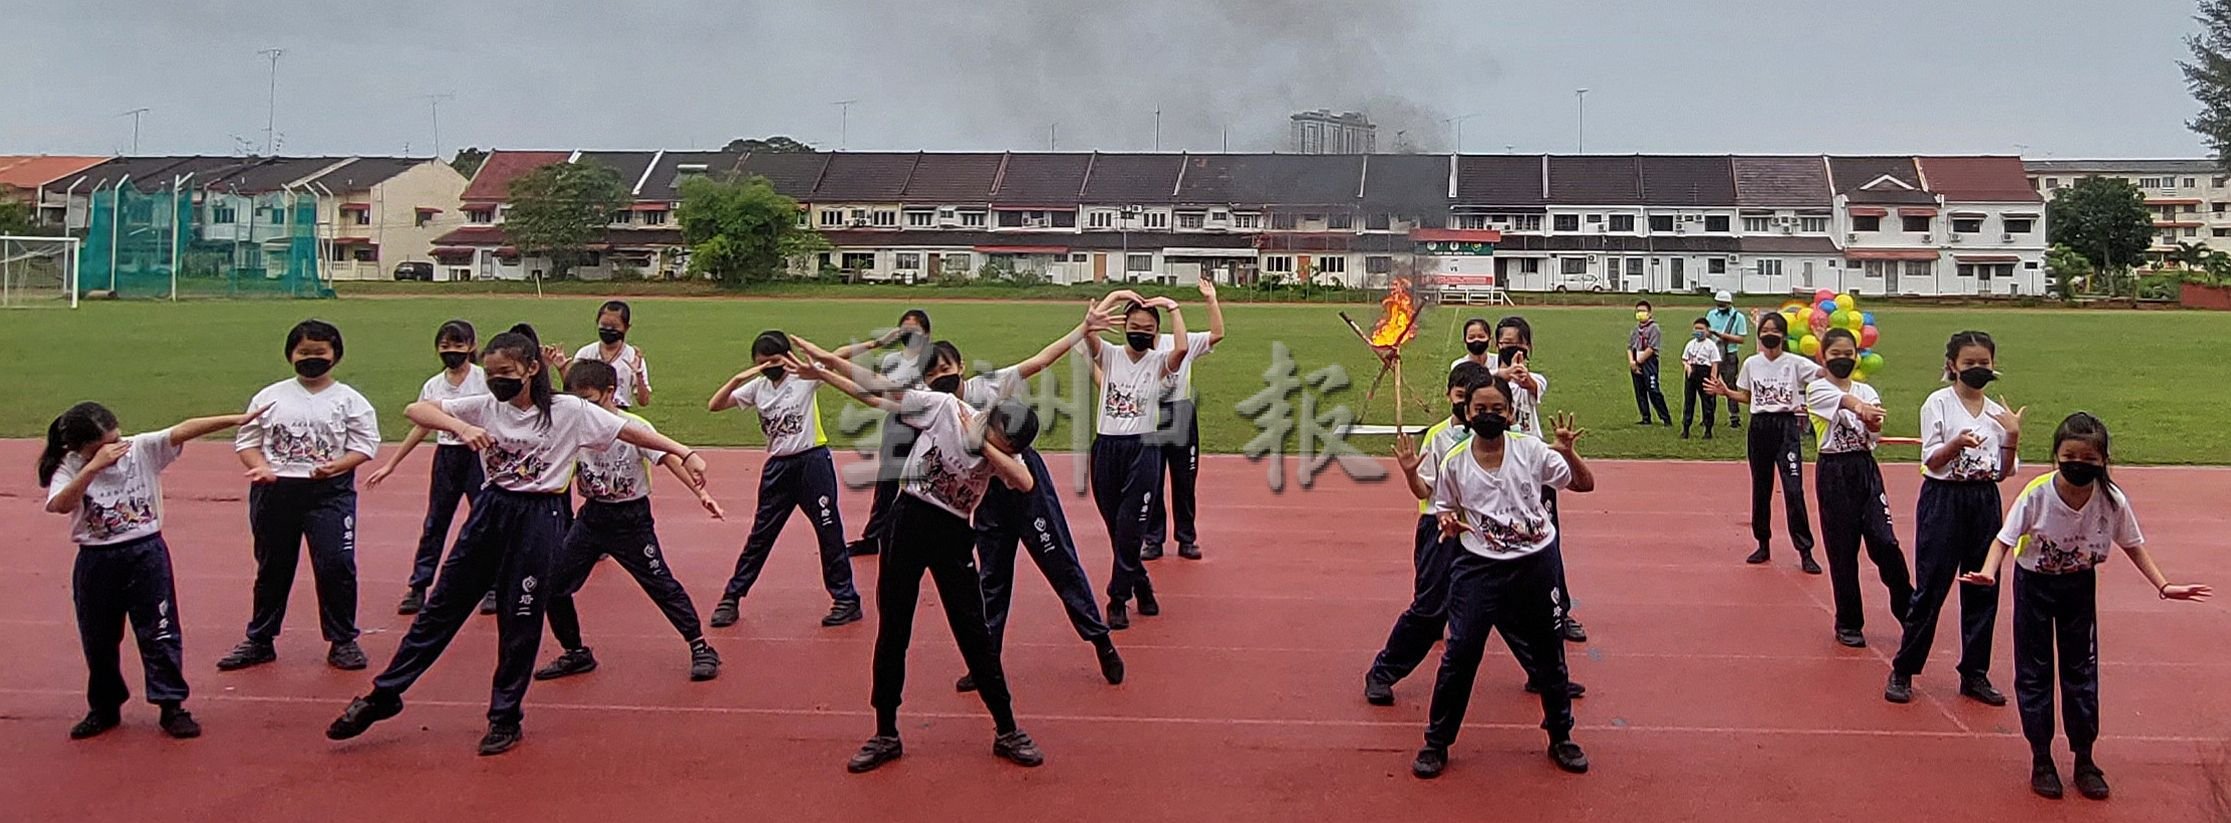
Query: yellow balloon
x=1854 y=321
x=1809 y=346
x=1846 y=301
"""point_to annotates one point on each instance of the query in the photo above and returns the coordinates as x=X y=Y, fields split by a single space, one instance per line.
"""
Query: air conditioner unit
x=1785 y=220
x=1680 y=229
x=1034 y=222
x=2006 y=238
x=1851 y=237
x=1952 y=238
x=1690 y=218
x=1788 y=229
x=857 y=222
x=948 y=221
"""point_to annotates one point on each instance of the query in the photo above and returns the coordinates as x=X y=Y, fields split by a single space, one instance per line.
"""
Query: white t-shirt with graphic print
x=943 y=470
x=620 y=473
x=1503 y=507
x=982 y=391
x=1943 y=418
x=438 y=388
x=125 y=501
x=2050 y=538
x=789 y=415
x=1777 y=384
x=526 y=456
x=1196 y=346
x=1131 y=391
x=1845 y=432
x=629 y=367
x=306 y=429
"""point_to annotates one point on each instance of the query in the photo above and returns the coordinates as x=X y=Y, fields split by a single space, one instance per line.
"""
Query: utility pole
x=135 y=115
x=271 y=104
x=1051 y=130
x=844 y=123
x=1458 y=121
x=435 y=100
x=1582 y=96
x=1157 y=128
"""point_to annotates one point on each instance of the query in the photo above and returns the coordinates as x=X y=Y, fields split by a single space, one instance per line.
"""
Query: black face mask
x=773 y=374
x=505 y=388
x=1476 y=347
x=1842 y=366
x=1489 y=424
x=1978 y=377
x=453 y=359
x=1456 y=412
x=947 y=383
x=1139 y=340
x=2081 y=474
x=1770 y=341
x=610 y=335
x=313 y=367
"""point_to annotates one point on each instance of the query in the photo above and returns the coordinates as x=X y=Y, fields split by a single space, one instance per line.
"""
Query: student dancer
x=1513 y=362
x=301 y=458
x=1968 y=445
x=1421 y=625
x=901 y=368
x=1125 y=468
x=111 y=487
x=1487 y=499
x=613 y=319
x=1180 y=438
x=456 y=476
x=1698 y=360
x=798 y=475
x=957 y=453
x=528 y=438
x=1853 y=508
x=1772 y=382
x=1644 y=344
x=1479 y=343
x=615 y=520
x=2062 y=527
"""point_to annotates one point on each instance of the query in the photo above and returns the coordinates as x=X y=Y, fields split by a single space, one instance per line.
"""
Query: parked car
x=415 y=271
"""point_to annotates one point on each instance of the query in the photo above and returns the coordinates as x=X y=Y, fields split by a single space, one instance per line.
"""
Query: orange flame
x=1397 y=318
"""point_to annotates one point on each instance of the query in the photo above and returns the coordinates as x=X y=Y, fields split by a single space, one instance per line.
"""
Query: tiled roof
x=2135 y=166
x=1687 y=180
x=1267 y=179
x=1978 y=179
x=1041 y=178
x=952 y=178
x=147 y=173
x=1595 y=180
x=266 y=174
x=33 y=171
x=1499 y=180
x=629 y=165
x=1407 y=184
x=793 y=174
x=665 y=182
x=1615 y=243
x=865 y=177
x=1788 y=245
x=362 y=173
x=492 y=183
x=1781 y=181
x=1132 y=178
x=1852 y=177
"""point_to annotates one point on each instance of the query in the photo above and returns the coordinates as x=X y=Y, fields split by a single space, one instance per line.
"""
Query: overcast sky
x=2065 y=78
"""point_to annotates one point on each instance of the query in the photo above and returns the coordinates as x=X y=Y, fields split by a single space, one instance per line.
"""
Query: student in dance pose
x=1853 y=508
x=1968 y=446
x=1698 y=360
x=2061 y=529
x=301 y=457
x=1487 y=499
x=1513 y=362
x=111 y=487
x=957 y=453
x=902 y=368
x=1179 y=436
x=1126 y=469
x=615 y=520
x=1772 y=382
x=1479 y=343
x=613 y=319
x=528 y=437
x=1421 y=625
x=456 y=474
x=798 y=475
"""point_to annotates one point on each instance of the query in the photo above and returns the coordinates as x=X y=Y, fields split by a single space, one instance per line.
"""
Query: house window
x=1278 y=263
x=1634 y=267
x=972 y=219
x=1471 y=221
x=1755 y=225
x=956 y=262
x=424 y=217
x=1661 y=222
x=1814 y=225
x=1967 y=225
x=1573 y=265
x=2220 y=232
x=2153 y=183
x=1378 y=222
x=1525 y=222
x=1332 y=265
x=2192 y=232
x=1011 y=219
x=907 y=261
x=857 y=261
x=2191 y=183
x=1565 y=222
x=1138 y=262
x=832 y=217
x=1246 y=220
x=2055 y=182
x=278 y=217
x=1282 y=222
x=1530 y=265
x=1770 y=267
x=1595 y=218
x=1622 y=222
x=1715 y=222
x=1920 y=269
x=1101 y=220
x=1064 y=219
x=654 y=218
x=1868 y=223
x=221 y=214
x=1716 y=265
x=340 y=254
x=592 y=259
x=1340 y=221
x=2218 y=182
x=1378 y=264
x=1157 y=220
x=1080 y=257
x=1919 y=225
x=886 y=219
x=1191 y=220
x=921 y=219
x=2017 y=225
x=363 y=216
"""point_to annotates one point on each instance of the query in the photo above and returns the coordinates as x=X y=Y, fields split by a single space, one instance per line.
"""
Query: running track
x=1715 y=689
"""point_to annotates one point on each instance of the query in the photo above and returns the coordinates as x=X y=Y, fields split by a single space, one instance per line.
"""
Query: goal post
x=38 y=271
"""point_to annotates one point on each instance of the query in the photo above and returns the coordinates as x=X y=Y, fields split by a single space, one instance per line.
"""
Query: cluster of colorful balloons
x=1829 y=310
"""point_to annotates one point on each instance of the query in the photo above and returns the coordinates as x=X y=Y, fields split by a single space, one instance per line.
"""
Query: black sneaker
x=248 y=653
x=724 y=614
x=1017 y=748
x=863 y=547
x=1980 y=690
x=2091 y=782
x=1568 y=757
x=874 y=753
x=1708 y=433
x=568 y=664
x=1573 y=689
x=704 y=663
x=1111 y=663
x=1148 y=606
x=346 y=656
x=1572 y=631
x=179 y=723
x=1189 y=551
x=500 y=738
x=94 y=724
x=1377 y=692
x=1684 y=434
x=1851 y=638
x=1429 y=762
x=361 y=714
x=1758 y=557
x=1643 y=422
x=1899 y=689
x=1805 y=563
x=967 y=683
x=412 y=602
x=488 y=603
x=2045 y=781
x=842 y=612
x=1119 y=616
x=1150 y=552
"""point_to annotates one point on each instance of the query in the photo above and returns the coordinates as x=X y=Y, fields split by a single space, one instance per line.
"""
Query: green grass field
x=2153 y=376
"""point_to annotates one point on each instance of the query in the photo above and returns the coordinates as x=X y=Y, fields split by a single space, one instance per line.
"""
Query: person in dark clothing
x=1643 y=345
x=1699 y=360
x=902 y=368
x=1773 y=382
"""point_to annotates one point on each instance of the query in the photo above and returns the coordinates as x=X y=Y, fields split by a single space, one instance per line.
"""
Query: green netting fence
x=178 y=242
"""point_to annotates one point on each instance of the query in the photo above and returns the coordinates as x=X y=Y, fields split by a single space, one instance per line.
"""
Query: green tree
x=2067 y=269
x=16 y=218
x=2209 y=77
x=2191 y=255
x=741 y=231
x=468 y=160
x=777 y=144
x=2104 y=220
x=556 y=211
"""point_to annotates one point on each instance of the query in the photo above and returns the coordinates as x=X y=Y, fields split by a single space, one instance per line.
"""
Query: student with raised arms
x=1853 y=508
x=455 y=477
x=1772 y=382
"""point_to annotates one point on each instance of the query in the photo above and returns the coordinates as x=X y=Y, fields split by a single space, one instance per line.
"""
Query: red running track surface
x=1716 y=691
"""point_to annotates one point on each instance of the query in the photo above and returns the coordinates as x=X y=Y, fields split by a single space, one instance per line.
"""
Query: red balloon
x=1819 y=322
x=1824 y=294
x=1867 y=337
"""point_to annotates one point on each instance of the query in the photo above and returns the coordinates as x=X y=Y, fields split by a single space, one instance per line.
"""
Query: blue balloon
x=1865 y=352
x=1828 y=306
x=1867 y=318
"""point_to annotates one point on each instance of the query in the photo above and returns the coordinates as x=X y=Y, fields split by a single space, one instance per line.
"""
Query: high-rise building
x=1322 y=132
